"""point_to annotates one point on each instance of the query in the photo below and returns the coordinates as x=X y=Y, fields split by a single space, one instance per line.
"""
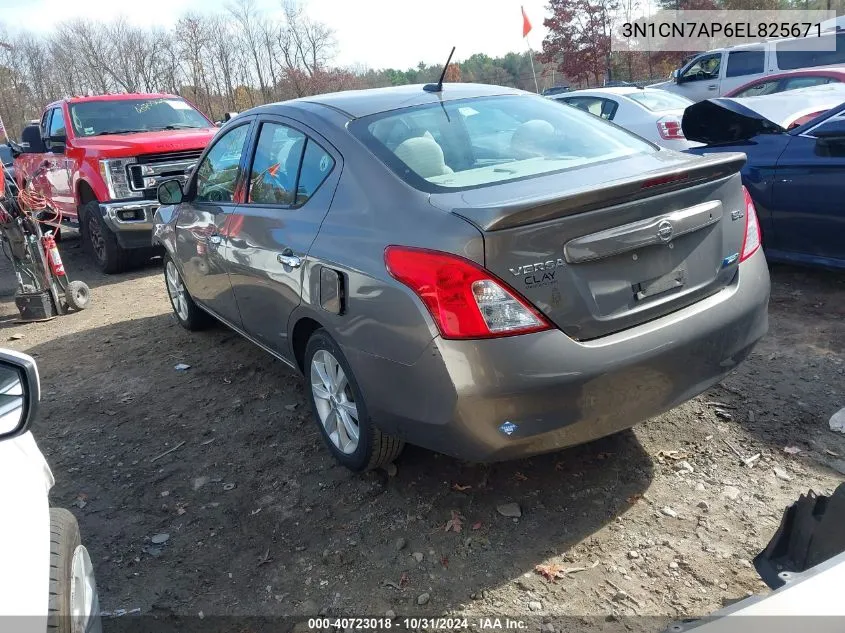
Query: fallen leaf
x=604 y=455
x=460 y=488
x=228 y=381
x=520 y=477
x=456 y=523
x=404 y=580
x=634 y=498
x=791 y=450
x=560 y=466
x=676 y=455
x=551 y=571
x=444 y=561
x=476 y=525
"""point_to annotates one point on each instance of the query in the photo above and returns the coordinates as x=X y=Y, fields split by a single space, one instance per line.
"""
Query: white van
x=719 y=71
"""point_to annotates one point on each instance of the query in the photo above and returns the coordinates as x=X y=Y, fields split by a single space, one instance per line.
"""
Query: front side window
x=706 y=67
x=125 y=116
x=759 y=89
x=438 y=146
x=217 y=174
x=741 y=63
x=57 y=123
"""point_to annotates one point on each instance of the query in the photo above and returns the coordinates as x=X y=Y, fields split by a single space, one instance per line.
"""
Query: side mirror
x=20 y=392
x=170 y=192
x=229 y=116
x=676 y=74
x=56 y=143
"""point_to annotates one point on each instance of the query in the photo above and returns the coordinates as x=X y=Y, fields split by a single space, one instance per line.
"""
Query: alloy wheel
x=335 y=402
x=176 y=290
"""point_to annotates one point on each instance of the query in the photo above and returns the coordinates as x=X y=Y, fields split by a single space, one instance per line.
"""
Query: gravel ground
x=258 y=519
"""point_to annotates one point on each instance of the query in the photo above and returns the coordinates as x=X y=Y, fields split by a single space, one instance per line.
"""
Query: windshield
x=477 y=142
x=123 y=116
x=659 y=100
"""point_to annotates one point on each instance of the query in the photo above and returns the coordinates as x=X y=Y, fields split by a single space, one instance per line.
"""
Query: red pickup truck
x=98 y=161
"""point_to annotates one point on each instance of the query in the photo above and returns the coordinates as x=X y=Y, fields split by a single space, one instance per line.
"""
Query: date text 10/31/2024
x=414 y=624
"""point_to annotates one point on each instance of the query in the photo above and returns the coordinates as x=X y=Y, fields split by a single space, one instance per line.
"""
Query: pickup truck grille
x=153 y=169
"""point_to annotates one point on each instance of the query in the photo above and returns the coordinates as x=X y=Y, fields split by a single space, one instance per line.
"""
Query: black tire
x=64 y=539
x=375 y=447
x=77 y=295
x=193 y=318
x=99 y=240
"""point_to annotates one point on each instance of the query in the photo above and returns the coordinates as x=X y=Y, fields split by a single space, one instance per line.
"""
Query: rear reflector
x=465 y=300
x=751 y=241
x=670 y=129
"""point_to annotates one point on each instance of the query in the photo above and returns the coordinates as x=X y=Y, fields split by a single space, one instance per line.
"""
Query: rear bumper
x=131 y=222
x=558 y=392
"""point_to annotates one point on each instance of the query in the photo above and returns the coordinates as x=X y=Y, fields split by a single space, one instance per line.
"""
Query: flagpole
x=531 y=58
x=526 y=28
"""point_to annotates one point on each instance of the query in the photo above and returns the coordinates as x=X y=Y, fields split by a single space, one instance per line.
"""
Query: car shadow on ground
x=248 y=487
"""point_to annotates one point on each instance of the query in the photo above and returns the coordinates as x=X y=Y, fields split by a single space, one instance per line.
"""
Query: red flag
x=526 y=24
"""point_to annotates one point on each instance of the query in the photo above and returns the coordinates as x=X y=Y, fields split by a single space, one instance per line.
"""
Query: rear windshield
x=475 y=142
x=124 y=116
x=790 y=57
x=659 y=101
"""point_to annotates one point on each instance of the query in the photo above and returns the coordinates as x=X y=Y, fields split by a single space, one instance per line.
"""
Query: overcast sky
x=372 y=33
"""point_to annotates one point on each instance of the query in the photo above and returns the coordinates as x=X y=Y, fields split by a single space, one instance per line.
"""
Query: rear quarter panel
x=373 y=209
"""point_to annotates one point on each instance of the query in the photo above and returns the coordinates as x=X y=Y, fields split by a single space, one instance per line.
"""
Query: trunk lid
x=599 y=254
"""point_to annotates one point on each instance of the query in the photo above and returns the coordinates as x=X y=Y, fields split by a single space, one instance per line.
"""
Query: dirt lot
x=261 y=521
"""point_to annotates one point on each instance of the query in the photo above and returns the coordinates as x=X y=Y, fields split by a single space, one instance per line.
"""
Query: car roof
x=361 y=103
x=614 y=90
x=117 y=97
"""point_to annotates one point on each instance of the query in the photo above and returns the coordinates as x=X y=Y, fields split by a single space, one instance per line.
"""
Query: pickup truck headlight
x=115 y=175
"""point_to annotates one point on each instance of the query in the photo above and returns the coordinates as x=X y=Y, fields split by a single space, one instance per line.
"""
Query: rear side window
x=804 y=82
x=288 y=167
x=275 y=165
x=748 y=62
x=789 y=57
x=659 y=100
x=603 y=108
x=762 y=88
x=437 y=147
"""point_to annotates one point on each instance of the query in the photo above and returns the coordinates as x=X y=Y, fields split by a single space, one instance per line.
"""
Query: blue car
x=795 y=170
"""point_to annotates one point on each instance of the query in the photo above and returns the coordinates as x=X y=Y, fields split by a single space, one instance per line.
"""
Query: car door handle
x=288 y=259
x=215 y=239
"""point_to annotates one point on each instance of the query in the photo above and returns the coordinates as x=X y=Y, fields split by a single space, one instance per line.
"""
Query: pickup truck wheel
x=72 y=591
x=340 y=410
x=108 y=254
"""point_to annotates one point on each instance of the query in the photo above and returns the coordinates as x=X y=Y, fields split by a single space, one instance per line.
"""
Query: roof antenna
x=438 y=87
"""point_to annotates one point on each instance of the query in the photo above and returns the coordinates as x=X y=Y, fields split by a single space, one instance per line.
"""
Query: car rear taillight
x=465 y=300
x=669 y=129
x=751 y=241
x=805 y=119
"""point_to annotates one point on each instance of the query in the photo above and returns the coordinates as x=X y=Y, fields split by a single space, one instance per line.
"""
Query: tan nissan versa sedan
x=470 y=268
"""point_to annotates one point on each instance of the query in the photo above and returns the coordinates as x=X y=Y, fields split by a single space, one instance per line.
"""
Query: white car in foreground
x=652 y=114
x=46 y=577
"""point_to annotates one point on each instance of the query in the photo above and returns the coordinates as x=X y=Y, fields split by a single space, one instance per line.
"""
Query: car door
x=292 y=177
x=56 y=164
x=700 y=79
x=211 y=196
x=743 y=65
x=808 y=208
